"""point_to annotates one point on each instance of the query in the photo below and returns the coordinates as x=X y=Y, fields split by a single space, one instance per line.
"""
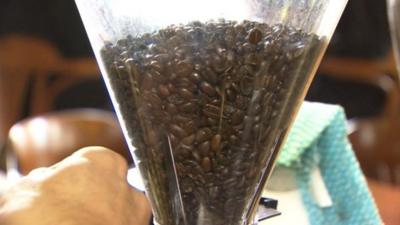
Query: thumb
x=142 y=209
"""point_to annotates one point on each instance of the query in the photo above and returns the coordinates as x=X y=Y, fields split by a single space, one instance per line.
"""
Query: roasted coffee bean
x=207 y=88
x=212 y=121
x=204 y=148
x=189 y=139
x=163 y=90
x=175 y=99
x=171 y=88
x=153 y=99
x=215 y=142
x=157 y=66
x=203 y=135
x=177 y=130
x=171 y=109
x=210 y=76
x=190 y=127
x=255 y=35
x=183 y=68
x=152 y=138
x=246 y=85
x=185 y=150
x=256 y=128
x=195 y=77
x=230 y=94
x=241 y=102
x=185 y=93
x=233 y=139
x=206 y=164
x=196 y=156
x=180 y=119
x=173 y=139
x=214 y=95
x=237 y=117
x=188 y=107
x=147 y=82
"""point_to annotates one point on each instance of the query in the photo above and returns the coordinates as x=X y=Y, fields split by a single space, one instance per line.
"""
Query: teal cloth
x=318 y=138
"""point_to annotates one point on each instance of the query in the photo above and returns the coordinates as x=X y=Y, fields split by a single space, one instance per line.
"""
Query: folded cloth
x=318 y=140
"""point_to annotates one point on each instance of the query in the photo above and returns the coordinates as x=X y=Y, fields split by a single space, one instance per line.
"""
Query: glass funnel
x=206 y=91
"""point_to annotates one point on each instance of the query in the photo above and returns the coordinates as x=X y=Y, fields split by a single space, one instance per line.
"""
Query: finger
x=142 y=207
x=38 y=171
x=39 y=174
x=104 y=158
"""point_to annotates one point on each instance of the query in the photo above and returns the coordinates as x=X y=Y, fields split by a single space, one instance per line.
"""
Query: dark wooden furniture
x=25 y=58
x=44 y=140
x=376 y=140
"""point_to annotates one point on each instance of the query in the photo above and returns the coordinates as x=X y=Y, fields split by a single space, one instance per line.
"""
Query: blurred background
x=53 y=101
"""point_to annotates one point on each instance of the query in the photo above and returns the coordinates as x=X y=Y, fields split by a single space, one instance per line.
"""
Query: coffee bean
x=189 y=140
x=152 y=138
x=188 y=107
x=185 y=93
x=210 y=76
x=152 y=99
x=255 y=35
x=175 y=99
x=215 y=142
x=173 y=139
x=206 y=164
x=230 y=183
x=185 y=150
x=183 y=68
x=230 y=94
x=195 y=77
x=171 y=109
x=246 y=85
x=177 y=130
x=256 y=128
x=241 y=101
x=180 y=119
x=147 y=82
x=163 y=90
x=204 y=148
x=207 y=88
x=233 y=139
x=237 y=117
x=203 y=135
x=155 y=65
x=171 y=88
x=196 y=156
x=212 y=122
x=190 y=127
x=214 y=94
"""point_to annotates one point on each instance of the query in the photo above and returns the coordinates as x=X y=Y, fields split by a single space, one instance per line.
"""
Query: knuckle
x=104 y=157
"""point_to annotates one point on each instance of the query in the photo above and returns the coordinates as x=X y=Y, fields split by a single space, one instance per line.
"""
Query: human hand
x=89 y=187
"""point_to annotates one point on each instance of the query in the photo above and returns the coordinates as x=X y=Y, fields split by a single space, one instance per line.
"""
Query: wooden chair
x=387 y=197
x=361 y=70
x=23 y=58
x=376 y=140
x=44 y=140
x=19 y=58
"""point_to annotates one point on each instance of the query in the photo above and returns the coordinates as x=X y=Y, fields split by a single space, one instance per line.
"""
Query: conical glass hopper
x=206 y=91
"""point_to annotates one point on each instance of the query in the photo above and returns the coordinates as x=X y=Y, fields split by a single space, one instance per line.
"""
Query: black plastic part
x=267 y=209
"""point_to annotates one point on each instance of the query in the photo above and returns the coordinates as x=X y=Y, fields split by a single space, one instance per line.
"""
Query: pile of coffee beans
x=217 y=96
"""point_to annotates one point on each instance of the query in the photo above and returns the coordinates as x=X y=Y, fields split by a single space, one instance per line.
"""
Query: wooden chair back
x=25 y=58
x=44 y=140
